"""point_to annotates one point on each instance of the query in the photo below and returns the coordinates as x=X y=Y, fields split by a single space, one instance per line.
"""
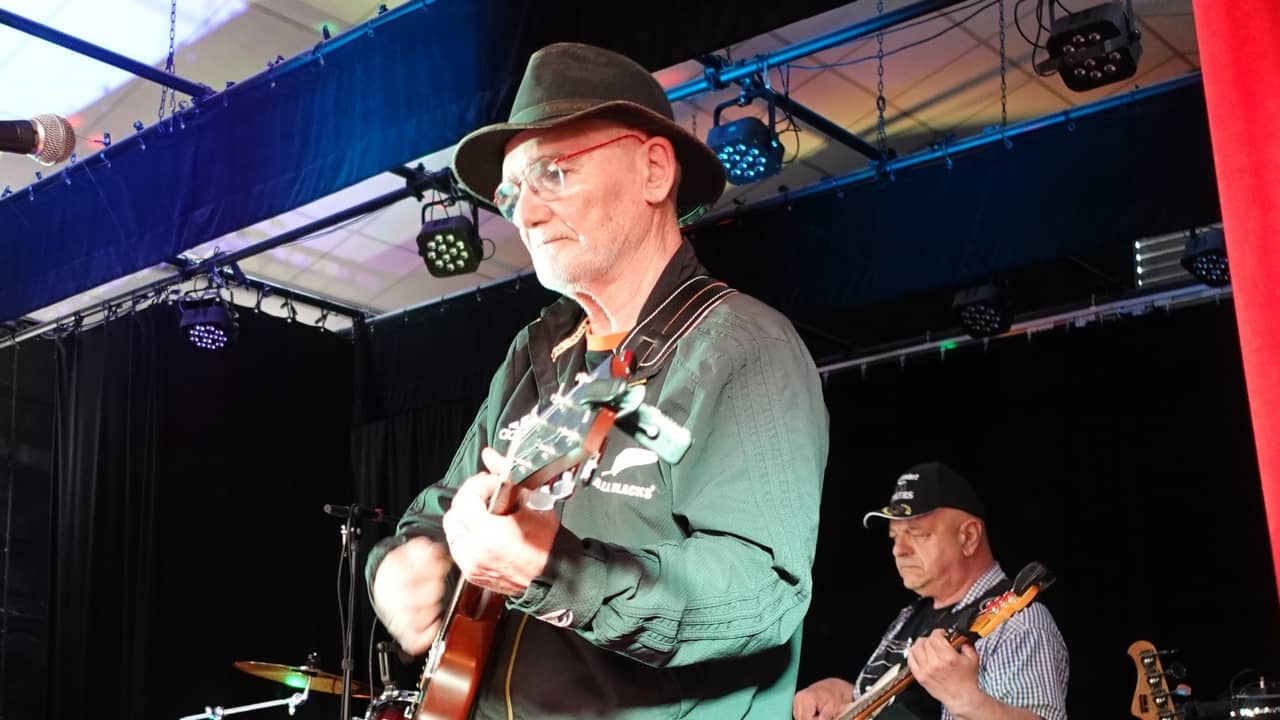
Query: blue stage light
x=748 y=149
x=209 y=323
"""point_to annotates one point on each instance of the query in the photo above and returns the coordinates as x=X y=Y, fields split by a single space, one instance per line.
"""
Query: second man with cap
x=937 y=526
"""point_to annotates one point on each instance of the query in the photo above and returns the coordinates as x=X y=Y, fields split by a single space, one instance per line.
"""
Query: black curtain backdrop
x=26 y=440
x=187 y=524
x=1120 y=455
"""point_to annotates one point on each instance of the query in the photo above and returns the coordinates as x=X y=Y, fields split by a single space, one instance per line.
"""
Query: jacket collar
x=562 y=318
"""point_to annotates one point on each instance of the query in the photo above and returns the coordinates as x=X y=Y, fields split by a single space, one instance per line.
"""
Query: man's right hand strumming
x=408 y=592
x=822 y=700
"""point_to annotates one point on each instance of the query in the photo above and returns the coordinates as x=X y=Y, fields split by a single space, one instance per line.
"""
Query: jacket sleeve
x=746 y=495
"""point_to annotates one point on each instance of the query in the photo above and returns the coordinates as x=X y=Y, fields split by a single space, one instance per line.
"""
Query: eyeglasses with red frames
x=544 y=177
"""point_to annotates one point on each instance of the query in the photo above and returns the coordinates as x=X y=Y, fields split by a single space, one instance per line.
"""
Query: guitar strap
x=654 y=338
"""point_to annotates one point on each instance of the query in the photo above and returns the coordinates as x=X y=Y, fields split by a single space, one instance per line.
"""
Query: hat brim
x=885 y=514
x=477 y=161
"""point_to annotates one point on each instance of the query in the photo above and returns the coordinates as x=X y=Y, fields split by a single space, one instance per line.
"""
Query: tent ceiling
x=941 y=78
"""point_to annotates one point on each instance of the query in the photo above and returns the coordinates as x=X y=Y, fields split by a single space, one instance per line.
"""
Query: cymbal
x=298 y=677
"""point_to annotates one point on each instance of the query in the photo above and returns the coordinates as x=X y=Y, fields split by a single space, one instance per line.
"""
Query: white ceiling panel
x=60 y=81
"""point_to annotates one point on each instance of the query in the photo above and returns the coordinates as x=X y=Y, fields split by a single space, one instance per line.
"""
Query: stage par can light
x=209 y=323
x=450 y=246
x=748 y=149
x=1093 y=47
x=1205 y=257
x=983 y=311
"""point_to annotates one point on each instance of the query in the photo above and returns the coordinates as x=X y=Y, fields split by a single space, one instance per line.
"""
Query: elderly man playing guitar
x=632 y=515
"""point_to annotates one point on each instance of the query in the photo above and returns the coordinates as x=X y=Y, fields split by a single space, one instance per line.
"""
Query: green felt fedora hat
x=569 y=81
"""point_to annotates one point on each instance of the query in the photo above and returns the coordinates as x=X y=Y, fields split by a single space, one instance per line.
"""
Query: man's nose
x=901 y=546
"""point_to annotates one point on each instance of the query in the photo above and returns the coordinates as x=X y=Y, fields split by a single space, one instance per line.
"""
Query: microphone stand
x=350 y=543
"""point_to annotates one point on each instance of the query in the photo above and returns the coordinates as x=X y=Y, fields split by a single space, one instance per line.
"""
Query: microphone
x=47 y=139
x=375 y=515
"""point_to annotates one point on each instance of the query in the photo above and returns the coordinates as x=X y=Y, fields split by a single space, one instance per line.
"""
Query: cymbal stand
x=217 y=713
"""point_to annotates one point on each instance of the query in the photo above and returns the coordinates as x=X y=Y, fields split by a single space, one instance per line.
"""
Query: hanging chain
x=172 y=95
x=1004 y=83
x=881 y=104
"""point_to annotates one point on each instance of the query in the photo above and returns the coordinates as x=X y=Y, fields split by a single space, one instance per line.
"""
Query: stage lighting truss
x=450 y=245
x=983 y=311
x=1093 y=47
x=749 y=150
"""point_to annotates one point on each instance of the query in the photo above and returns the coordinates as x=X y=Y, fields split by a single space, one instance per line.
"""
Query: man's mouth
x=550 y=240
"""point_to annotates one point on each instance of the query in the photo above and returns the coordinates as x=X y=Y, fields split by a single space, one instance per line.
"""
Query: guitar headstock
x=572 y=428
x=1029 y=583
x=1151 y=697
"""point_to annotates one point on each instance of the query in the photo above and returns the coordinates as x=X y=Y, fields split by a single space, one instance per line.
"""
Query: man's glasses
x=544 y=177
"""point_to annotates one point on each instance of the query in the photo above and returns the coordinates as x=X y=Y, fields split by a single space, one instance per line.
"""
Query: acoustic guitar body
x=451 y=689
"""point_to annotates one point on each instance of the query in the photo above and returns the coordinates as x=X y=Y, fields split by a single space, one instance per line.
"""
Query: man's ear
x=660 y=169
x=970 y=533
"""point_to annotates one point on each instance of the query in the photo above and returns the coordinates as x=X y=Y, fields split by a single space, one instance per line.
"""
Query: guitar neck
x=873 y=701
x=503 y=500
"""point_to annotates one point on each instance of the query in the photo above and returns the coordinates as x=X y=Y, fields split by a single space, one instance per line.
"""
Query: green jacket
x=671 y=591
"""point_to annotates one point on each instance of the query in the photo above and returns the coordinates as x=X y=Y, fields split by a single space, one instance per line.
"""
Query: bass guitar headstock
x=1151 y=697
x=1029 y=583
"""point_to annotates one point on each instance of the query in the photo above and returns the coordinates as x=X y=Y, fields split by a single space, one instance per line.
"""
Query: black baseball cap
x=926 y=487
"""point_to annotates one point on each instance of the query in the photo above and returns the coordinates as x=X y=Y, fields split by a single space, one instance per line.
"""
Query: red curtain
x=1240 y=59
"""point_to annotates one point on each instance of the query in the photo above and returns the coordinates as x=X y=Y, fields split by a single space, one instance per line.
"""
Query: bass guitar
x=1029 y=583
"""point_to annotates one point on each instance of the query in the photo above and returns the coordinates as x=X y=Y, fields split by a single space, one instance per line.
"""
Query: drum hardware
x=293 y=701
